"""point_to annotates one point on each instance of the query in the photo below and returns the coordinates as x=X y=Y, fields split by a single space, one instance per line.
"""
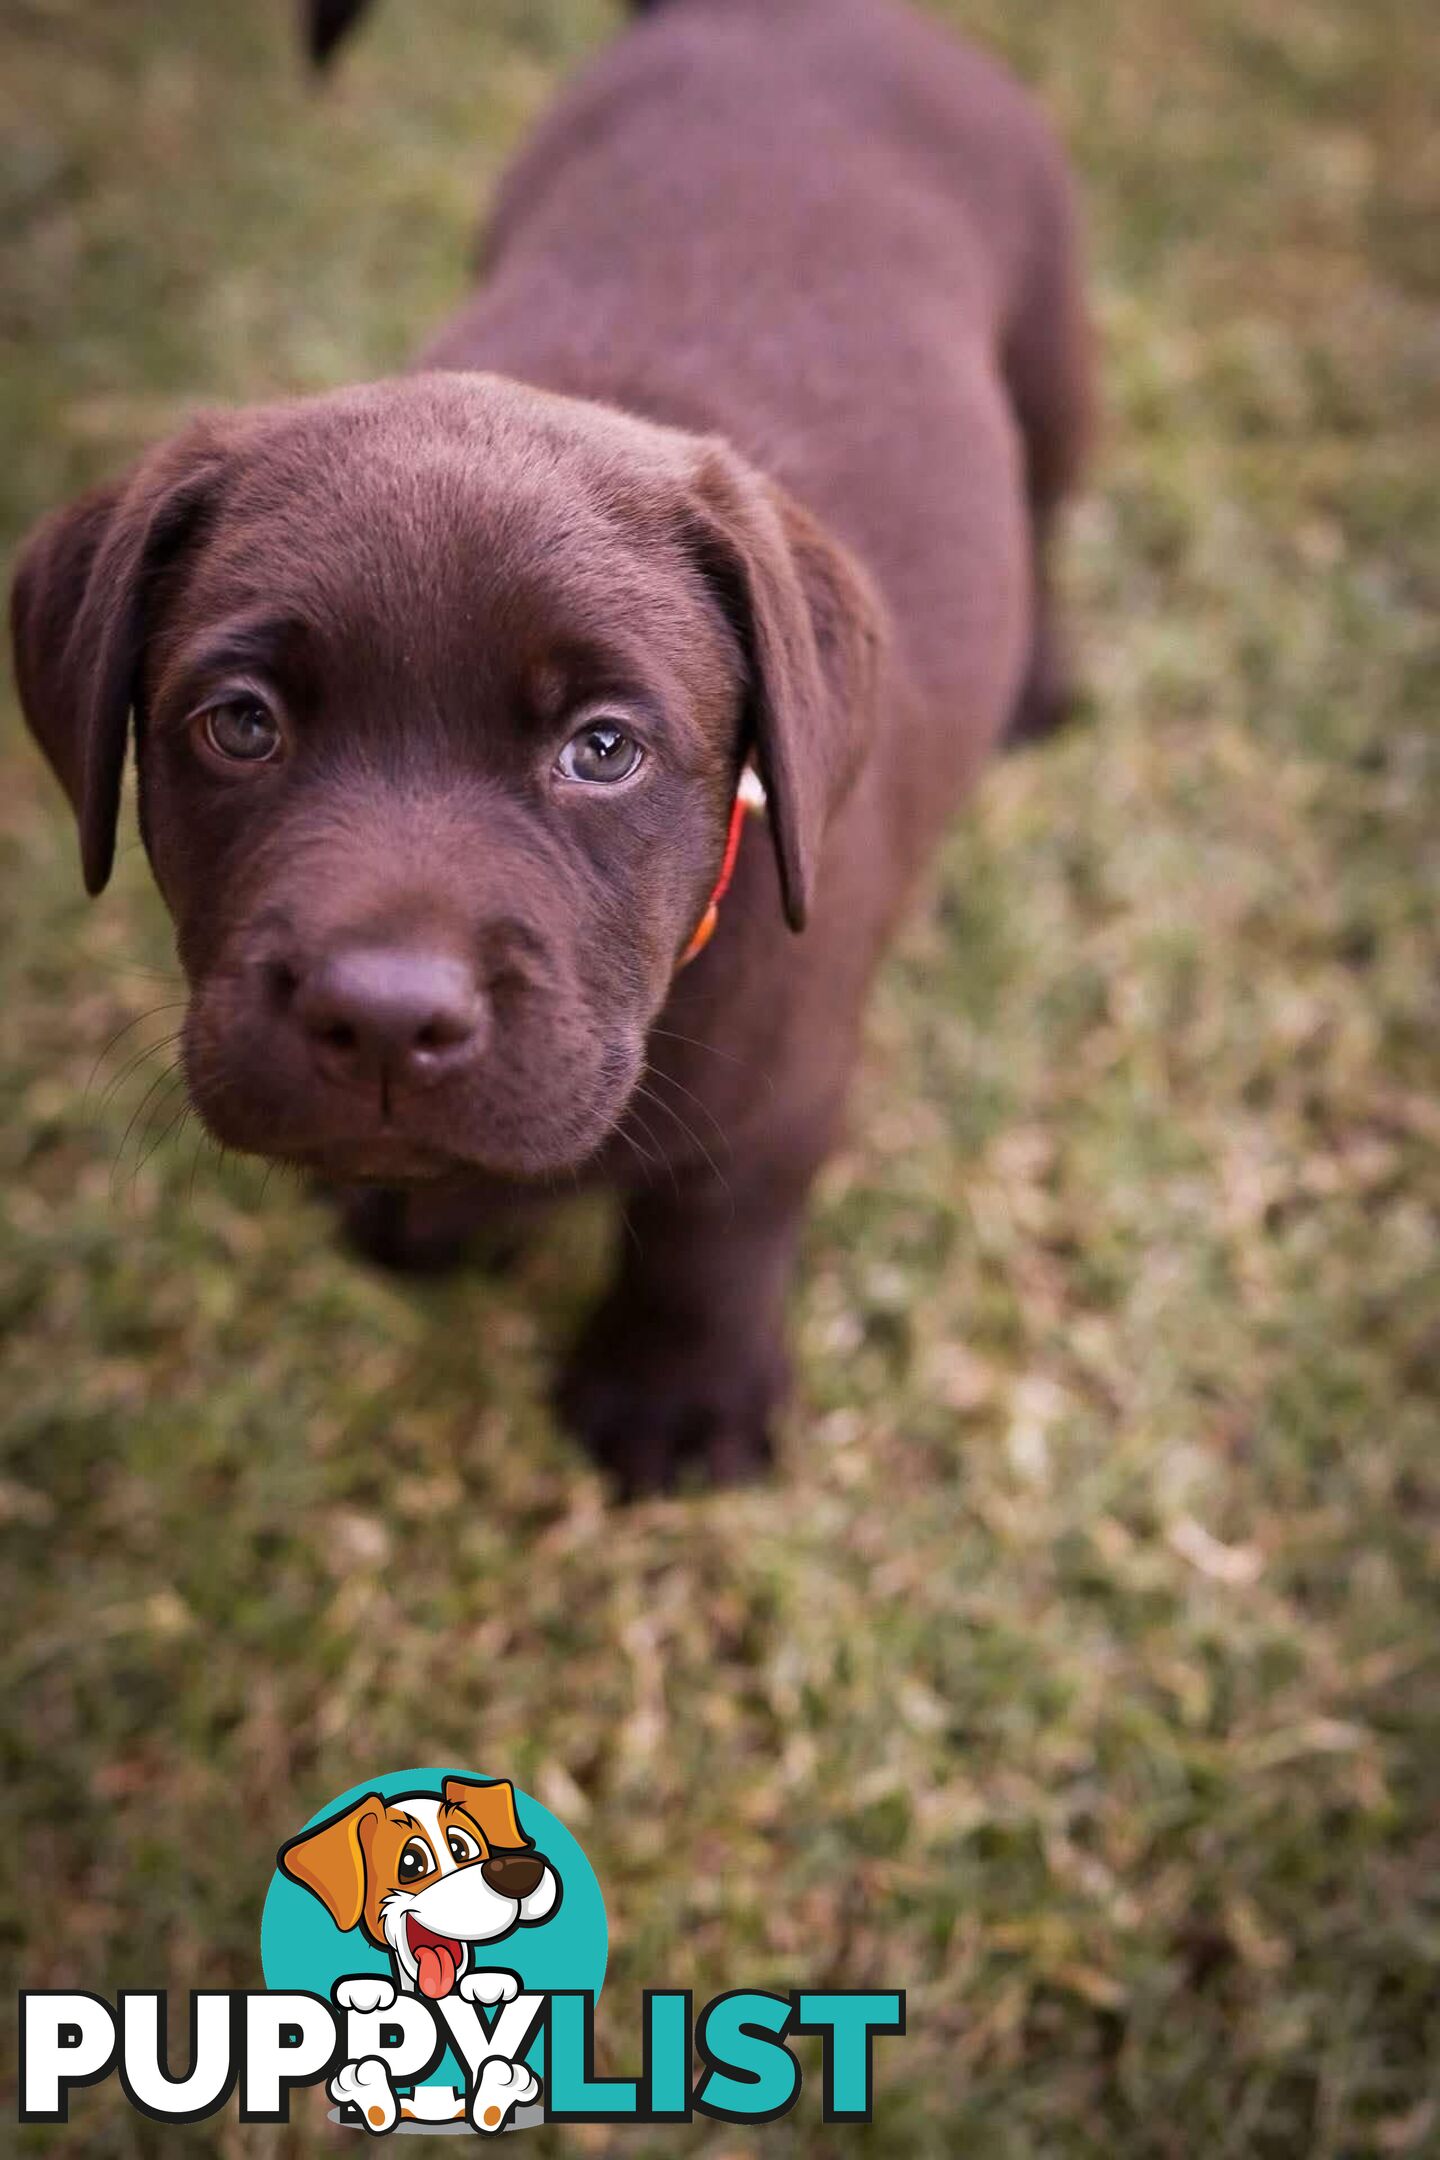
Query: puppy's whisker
x=160 y=1048
x=175 y=1127
x=154 y=1012
x=201 y=1138
x=170 y=977
x=688 y=1133
x=693 y=1042
x=656 y=1073
x=661 y=1159
x=161 y=1106
x=630 y=1232
x=165 y=1078
x=642 y=1155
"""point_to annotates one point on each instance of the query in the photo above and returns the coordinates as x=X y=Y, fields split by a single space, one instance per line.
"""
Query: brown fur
x=755 y=428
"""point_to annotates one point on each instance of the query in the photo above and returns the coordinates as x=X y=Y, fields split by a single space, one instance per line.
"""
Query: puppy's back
x=810 y=226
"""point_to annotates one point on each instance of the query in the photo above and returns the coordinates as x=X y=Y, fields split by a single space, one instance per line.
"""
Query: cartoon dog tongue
x=437 y=1966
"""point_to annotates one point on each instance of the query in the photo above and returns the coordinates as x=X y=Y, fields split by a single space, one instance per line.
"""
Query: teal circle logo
x=441 y=1884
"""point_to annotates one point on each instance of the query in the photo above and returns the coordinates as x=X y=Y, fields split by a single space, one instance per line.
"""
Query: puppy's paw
x=500 y=2088
x=365 y=2086
x=1048 y=699
x=653 y=1418
x=489 y=1988
x=364 y=1992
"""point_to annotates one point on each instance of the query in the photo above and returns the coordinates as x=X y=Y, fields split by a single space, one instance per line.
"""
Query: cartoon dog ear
x=810 y=629
x=78 y=619
x=492 y=1808
x=329 y=1861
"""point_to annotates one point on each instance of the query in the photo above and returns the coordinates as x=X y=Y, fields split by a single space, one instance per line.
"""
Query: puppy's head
x=428 y=1875
x=441 y=690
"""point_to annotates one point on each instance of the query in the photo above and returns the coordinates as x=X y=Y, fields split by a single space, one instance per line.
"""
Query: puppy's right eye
x=600 y=755
x=242 y=732
x=415 y=1861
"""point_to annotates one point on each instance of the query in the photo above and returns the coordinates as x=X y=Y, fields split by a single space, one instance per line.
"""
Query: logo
x=433 y=1945
x=431 y=1888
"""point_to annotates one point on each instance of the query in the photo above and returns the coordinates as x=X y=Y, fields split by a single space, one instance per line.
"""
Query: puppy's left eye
x=242 y=732
x=599 y=754
x=462 y=1845
x=416 y=1860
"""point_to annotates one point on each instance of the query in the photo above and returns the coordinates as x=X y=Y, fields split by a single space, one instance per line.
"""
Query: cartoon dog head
x=425 y=1875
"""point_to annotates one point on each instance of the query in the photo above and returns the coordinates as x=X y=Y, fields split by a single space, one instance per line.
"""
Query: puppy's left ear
x=810 y=628
x=78 y=613
x=329 y=1861
x=492 y=1808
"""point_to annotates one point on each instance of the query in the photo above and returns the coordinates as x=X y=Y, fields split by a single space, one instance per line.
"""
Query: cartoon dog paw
x=500 y=2088
x=365 y=1992
x=489 y=1988
x=366 y=2087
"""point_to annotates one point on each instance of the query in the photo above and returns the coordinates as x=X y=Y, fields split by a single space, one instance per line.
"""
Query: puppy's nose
x=512 y=1874
x=395 y=1015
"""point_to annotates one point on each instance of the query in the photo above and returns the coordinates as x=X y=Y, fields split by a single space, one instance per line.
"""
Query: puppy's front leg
x=683 y=1366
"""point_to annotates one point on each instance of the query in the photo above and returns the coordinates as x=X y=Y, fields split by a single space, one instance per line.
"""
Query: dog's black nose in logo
x=512 y=1874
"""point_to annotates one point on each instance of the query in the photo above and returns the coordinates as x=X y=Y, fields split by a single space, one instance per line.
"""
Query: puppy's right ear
x=78 y=619
x=329 y=1861
x=810 y=628
x=491 y=1807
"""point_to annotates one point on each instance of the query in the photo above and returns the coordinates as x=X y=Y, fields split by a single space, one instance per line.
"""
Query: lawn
x=1080 y=1671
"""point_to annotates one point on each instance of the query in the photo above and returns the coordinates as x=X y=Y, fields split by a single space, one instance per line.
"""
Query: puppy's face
x=441 y=692
x=427 y=1876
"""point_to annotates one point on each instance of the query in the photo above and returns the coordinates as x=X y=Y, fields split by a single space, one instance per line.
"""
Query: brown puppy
x=745 y=450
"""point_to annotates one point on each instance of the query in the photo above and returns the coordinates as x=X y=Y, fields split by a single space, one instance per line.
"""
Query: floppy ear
x=810 y=628
x=492 y=1807
x=78 y=619
x=329 y=1861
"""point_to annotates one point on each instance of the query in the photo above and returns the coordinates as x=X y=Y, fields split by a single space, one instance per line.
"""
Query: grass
x=1080 y=1673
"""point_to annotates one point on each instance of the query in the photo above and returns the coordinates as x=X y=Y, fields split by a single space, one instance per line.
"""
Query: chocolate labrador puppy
x=448 y=692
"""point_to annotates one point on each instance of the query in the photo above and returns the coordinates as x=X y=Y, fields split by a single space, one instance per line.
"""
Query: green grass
x=1080 y=1673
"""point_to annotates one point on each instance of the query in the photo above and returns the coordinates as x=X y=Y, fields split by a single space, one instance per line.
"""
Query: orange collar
x=749 y=802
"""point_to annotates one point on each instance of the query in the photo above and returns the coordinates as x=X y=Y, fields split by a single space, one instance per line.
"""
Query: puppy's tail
x=325 y=24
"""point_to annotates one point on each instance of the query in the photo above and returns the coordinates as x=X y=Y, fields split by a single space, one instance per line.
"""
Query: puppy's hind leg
x=1049 y=374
